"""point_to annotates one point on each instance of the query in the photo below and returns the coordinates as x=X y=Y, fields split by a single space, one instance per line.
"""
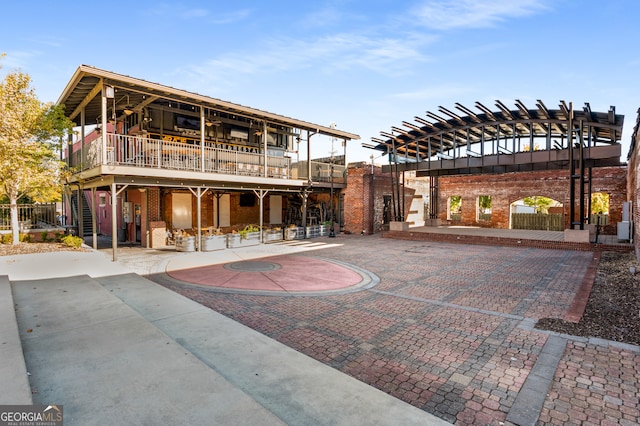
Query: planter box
x=213 y=242
x=272 y=236
x=290 y=233
x=185 y=243
x=236 y=240
x=313 y=231
x=294 y=233
x=324 y=230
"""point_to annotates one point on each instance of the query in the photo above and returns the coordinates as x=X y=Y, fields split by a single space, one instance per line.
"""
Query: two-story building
x=147 y=159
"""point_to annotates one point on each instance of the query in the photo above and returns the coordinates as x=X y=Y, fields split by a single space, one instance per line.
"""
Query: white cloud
x=177 y=10
x=449 y=14
x=194 y=13
x=434 y=93
x=18 y=59
x=330 y=54
x=232 y=17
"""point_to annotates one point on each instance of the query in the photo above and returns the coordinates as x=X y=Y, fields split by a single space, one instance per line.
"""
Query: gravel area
x=31 y=248
x=613 y=309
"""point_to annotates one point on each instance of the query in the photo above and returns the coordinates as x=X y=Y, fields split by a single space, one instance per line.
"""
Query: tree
x=30 y=134
x=599 y=203
x=484 y=201
x=541 y=203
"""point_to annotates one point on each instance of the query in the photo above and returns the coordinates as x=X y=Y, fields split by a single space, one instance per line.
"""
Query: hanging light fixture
x=128 y=110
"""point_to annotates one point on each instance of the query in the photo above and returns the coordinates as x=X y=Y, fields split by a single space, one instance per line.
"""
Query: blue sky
x=364 y=65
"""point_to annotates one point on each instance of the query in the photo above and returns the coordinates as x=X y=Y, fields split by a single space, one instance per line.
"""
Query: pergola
x=501 y=141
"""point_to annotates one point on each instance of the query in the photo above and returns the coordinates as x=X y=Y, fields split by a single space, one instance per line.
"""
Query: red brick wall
x=364 y=197
x=633 y=190
x=506 y=188
x=154 y=204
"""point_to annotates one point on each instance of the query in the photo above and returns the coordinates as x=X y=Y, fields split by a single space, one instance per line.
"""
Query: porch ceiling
x=103 y=176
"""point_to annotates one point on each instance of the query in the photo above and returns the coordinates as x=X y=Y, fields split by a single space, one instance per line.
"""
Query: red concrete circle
x=296 y=274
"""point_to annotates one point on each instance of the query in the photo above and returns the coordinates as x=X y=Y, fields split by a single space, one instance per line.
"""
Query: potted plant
x=213 y=239
x=272 y=235
x=248 y=236
x=185 y=242
x=324 y=228
x=292 y=232
x=313 y=231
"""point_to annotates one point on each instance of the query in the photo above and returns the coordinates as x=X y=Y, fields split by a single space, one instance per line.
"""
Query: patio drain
x=252 y=266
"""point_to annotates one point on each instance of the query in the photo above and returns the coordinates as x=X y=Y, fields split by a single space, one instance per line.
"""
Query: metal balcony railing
x=320 y=172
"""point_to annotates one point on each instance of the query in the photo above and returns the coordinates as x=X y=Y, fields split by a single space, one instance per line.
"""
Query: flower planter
x=313 y=231
x=185 y=243
x=236 y=240
x=324 y=230
x=213 y=242
x=297 y=233
x=270 y=236
x=290 y=233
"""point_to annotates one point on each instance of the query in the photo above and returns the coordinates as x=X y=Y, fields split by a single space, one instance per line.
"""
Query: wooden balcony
x=144 y=152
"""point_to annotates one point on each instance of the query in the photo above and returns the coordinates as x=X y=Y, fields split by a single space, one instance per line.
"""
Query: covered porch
x=141 y=148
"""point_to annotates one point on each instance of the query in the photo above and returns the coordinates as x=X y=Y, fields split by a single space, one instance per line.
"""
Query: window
x=247 y=199
x=484 y=208
x=455 y=207
x=599 y=208
x=103 y=200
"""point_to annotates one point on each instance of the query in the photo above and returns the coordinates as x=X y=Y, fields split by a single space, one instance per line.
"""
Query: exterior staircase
x=86 y=213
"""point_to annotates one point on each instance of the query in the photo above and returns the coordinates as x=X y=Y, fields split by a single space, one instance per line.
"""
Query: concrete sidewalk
x=119 y=349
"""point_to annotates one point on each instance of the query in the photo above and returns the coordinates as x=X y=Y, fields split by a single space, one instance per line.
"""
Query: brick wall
x=506 y=188
x=154 y=204
x=633 y=176
x=367 y=186
x=364 y=198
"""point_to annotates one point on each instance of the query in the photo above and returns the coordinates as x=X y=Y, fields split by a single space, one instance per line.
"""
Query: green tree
x=599 y=203
x=455 y=203
x=484 y=201
x=31 y=132
x=541 y=203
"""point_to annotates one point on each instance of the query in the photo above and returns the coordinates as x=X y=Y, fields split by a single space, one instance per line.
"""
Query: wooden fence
x=30 y=216
x=541 y=222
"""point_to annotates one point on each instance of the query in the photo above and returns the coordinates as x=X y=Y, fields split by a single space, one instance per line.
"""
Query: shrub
x=8 y=238
x=72 y=241
x=44 y=236
x=249 y=228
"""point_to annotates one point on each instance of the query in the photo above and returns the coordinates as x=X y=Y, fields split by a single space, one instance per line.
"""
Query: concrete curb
x=13 y=371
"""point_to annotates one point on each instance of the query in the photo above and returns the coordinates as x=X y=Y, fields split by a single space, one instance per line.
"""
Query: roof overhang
x=84 y=90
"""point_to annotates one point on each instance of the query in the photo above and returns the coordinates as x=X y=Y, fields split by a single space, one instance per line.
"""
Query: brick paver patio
x=449 y=329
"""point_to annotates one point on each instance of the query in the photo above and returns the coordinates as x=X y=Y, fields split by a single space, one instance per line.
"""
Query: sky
x=365 y=65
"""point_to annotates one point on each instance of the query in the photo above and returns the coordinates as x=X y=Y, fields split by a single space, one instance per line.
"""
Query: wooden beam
x=97 y=89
